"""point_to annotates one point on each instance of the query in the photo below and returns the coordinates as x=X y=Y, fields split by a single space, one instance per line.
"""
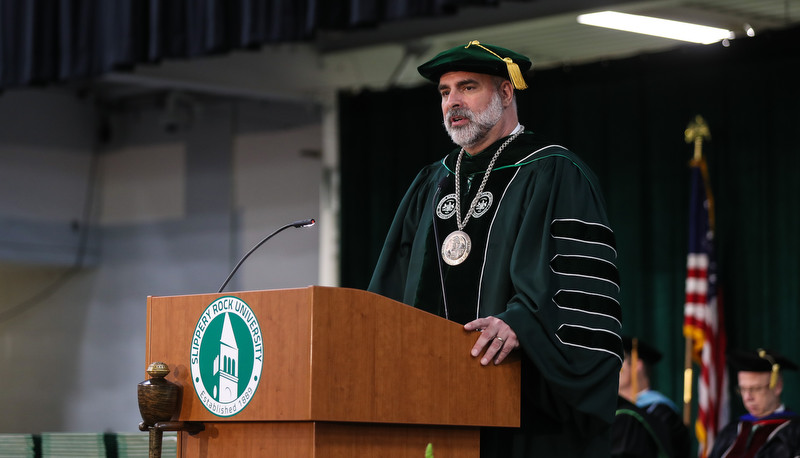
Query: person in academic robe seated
x=637 y=434
x=769 y=429
x=636 y=387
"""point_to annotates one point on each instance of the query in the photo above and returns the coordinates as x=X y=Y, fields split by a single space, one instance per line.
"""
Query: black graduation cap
x=645 y=351
x=761 y=360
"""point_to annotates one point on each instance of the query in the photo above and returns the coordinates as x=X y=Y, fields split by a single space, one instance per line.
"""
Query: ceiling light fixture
x=666 y=28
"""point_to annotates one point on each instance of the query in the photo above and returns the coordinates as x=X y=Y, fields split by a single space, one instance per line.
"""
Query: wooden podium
x=346 y=373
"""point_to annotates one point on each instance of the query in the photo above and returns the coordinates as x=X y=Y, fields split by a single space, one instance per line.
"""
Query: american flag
x=703 y=320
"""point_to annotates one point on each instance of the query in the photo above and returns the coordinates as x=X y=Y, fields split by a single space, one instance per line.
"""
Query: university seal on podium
x=227 y=354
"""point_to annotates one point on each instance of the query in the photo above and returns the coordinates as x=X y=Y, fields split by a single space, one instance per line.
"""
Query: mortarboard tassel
x=773 y=377
x=514 y=72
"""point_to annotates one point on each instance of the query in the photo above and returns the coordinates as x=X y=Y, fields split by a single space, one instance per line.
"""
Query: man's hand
x=497 y=338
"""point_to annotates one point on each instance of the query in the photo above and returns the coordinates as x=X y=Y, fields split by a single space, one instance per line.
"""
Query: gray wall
x=104 y=204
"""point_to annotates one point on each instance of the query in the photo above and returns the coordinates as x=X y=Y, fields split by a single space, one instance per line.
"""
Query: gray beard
x=479 y=125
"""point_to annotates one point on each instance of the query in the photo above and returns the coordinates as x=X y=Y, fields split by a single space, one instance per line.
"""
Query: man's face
x=625 y=374
x=471 y=106
x=758 y=398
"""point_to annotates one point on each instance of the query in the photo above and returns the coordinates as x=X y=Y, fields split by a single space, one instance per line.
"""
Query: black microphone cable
x=301 y=223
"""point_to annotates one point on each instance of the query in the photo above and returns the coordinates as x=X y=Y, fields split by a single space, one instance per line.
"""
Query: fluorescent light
x=666 y=28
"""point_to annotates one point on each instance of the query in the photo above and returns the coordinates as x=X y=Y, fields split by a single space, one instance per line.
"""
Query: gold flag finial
x=696 y=132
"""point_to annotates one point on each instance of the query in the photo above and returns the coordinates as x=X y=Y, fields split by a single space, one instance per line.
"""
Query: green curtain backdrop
x=627 y=118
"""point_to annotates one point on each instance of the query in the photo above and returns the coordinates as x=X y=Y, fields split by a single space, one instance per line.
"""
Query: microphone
x=301 y=223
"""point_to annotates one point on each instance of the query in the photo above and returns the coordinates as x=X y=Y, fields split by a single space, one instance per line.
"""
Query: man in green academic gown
x=508 y=235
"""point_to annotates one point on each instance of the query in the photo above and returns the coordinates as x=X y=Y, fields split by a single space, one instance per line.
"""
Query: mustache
x=459 y=113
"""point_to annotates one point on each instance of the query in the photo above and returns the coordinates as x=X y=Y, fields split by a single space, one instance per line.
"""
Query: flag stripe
x=703 y=320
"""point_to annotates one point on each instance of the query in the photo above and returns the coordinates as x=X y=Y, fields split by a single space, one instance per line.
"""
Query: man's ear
x=779 y=386
x=506 y=93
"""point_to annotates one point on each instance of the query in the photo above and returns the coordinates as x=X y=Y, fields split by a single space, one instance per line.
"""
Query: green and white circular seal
x=227 y=354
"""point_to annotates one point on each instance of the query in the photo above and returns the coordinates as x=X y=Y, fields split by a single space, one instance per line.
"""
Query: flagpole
x=687 y=383
x=696 y=131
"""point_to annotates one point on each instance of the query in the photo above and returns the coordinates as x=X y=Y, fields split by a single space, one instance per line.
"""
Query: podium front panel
x=340 y=355
x=328 y=440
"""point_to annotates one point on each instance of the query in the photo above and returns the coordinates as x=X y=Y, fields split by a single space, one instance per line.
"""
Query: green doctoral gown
x=542 y=260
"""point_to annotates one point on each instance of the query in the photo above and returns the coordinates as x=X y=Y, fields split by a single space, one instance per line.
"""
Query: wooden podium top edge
x=245 y=291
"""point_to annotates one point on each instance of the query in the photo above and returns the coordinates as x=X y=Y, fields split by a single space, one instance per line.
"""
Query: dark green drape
x=626 y=118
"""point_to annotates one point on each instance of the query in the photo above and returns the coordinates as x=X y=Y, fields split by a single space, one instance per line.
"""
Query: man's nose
x=453 y=100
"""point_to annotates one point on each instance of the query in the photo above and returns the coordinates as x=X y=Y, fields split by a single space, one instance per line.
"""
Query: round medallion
x=227 y=350
x=456 y=248
x=446 y=207
x=482 y=204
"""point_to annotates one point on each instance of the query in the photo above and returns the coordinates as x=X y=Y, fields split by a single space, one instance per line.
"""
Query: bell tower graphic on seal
x=226 y=364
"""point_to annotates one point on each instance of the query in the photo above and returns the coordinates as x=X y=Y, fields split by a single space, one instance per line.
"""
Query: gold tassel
x=773 y=376
x=514 y=72
x=634 y=366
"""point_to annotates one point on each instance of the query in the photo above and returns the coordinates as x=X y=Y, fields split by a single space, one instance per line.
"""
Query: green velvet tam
x=477 y=57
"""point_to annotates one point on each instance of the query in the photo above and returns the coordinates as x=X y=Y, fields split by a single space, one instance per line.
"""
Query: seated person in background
x=769 y=429
x=634 y=385
x=637 y=434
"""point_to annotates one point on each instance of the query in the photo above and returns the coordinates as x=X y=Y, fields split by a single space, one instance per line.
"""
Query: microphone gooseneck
x=302 y=223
